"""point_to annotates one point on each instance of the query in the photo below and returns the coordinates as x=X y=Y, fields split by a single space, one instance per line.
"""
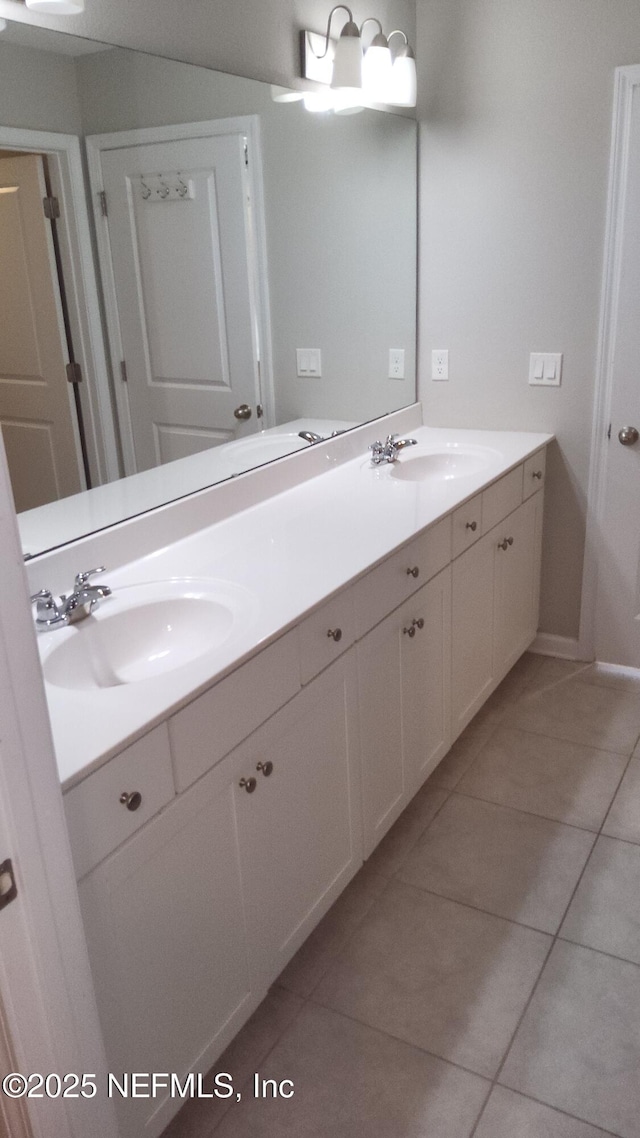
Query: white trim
x=96 y=144
x=564 y=647
x=45 y=981
x=626 y=79
x=81 y=289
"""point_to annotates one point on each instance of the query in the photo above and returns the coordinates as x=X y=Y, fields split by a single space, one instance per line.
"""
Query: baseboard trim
x=564 y=647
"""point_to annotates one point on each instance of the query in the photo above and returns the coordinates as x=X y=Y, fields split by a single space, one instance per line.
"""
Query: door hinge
x=123 y=371
x=246 y=152
x=51 y=208
x=259 y=411
x=74 y=372
x=8 y=887
x=103 y=203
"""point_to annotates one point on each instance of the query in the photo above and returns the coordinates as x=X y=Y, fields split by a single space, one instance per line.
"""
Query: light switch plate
x=308 y=362
x=545 y=369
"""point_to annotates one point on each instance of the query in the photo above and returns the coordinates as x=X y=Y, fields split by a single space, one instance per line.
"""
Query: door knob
x=628 y=436
x=243 y=411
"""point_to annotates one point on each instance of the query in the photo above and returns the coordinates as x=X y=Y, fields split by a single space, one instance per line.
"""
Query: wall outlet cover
x=440 y=364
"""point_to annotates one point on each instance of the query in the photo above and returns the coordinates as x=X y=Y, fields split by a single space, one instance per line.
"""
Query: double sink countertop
x=270 y=565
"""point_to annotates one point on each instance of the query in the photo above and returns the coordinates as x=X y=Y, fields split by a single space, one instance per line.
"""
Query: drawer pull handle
x=472 y=526
x=537 y=474
x=506 y=543
x=415 y=624
x=132 y=801
x=335 y=634
x=414 y=572
x=248 y=784
x=266 y=768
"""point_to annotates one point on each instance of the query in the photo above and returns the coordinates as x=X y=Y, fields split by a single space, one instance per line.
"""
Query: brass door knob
x=132 y=801
x=243 y=411
x=628 y=436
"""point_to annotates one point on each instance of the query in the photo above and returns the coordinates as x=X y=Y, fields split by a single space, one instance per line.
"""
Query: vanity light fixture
x=352 y=79
x=56 y=7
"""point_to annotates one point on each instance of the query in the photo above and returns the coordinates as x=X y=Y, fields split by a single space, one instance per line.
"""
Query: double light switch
x=545 y=369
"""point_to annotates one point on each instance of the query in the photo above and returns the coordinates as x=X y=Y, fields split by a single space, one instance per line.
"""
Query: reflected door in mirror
x=180 y=241
x=36 y=411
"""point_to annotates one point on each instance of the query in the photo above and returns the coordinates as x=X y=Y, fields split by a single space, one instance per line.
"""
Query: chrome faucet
x=72 y=608
x=389 y=450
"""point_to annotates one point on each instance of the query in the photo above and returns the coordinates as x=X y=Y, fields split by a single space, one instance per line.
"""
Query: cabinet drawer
x=326 y=634
x=534 y=473
x=466 y=525
x=400 y=575
x=206 y=730
x=501 y=499
x=97 y=819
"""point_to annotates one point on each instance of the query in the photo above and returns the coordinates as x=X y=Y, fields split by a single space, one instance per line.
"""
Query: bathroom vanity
x=218 y=805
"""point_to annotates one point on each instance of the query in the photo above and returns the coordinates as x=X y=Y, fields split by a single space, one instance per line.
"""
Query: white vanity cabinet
x=166 y=930
x=403 y=672
x=494 y=599
x=299 y=824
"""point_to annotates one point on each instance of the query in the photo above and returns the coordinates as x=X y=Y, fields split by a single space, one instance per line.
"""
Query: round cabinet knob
x=537 y=474
x=335 y=634
x=414 y=572
x=132 y=801
x=419 y=623
x=266 y=768
x=628 y=436
x=506 y=543
x=243 y=411
x=248 y=784
x=410 y=631
x=472 y=526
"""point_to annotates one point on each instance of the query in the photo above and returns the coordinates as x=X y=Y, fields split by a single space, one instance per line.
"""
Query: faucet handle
x=82 y=578
x=42 y=595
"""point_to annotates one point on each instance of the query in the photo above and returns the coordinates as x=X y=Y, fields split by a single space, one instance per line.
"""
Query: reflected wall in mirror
x=256 y=267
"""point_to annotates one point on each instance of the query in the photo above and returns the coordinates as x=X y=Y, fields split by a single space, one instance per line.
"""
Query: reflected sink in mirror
x=445 y=465
x=144 y=631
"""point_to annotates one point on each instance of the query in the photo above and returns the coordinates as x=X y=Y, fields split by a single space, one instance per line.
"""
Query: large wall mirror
x=213 y=275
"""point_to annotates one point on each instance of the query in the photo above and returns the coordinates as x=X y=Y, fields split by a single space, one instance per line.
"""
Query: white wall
x=256 y=38
x=516 y=104
x=49 y=101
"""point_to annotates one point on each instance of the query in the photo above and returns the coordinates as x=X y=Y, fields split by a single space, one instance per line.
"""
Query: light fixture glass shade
x=347 y=59
x=318 y=101
x=56 y=7
x=403 y=82
x=285 y=94
x=376 y=70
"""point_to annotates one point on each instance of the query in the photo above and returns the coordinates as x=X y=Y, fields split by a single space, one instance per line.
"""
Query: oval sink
x=441 y=466
x=144 y=631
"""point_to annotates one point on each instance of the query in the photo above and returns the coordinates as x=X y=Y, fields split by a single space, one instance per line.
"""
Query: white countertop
x=291 y=552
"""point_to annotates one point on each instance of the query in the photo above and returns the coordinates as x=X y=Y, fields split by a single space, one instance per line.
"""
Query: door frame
x=96 y=144
x=81 y=287
x=626 y=80
x=46 y=989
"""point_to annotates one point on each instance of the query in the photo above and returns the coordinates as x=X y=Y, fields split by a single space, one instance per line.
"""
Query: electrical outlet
x=440 y=363
x=396 y=363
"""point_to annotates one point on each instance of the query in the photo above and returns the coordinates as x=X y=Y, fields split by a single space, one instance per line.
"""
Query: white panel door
x=36 y=412
x=181 y=248
x=617 y=633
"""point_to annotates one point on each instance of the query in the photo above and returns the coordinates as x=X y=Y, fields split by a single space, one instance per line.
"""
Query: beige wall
x=516 y=104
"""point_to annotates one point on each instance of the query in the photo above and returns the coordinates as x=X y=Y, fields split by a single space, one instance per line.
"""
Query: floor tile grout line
x=600 y=951
x=559 y=1110
x=532 y=813
x=555 y=939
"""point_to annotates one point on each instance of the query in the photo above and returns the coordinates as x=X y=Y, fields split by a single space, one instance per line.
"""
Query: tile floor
x=481 y=974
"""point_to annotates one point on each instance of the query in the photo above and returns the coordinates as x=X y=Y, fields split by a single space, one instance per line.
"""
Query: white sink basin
x=144 y=631
x=442 y=466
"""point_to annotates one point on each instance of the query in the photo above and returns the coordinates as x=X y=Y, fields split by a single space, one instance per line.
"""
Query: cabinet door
x=517 y=572
x=385 y=788
x=165 y=926
x=300 y=827
x=426 y=669
x=472 y=618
